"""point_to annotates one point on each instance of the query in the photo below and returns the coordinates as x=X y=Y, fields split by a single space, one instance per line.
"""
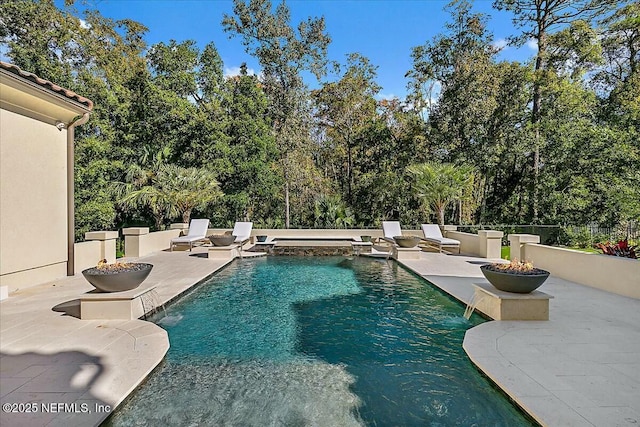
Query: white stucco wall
x=33 y=210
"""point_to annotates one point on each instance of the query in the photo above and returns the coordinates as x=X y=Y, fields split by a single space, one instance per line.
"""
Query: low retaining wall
x=138 y=242
x=98 y=245
x=485 y=244
x=609 y=273
x=469 y=243
x=305 y=233
x=86 y=255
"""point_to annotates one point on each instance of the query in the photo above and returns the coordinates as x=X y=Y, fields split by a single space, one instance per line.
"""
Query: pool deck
x=580 y=368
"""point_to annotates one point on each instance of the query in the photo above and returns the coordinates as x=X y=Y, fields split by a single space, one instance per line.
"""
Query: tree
x=440 y=184
x=251 y=183
x=344 y=108
x=284 y=54
x=330 y=212
x=538 y=18
x=619 y=78
x=479 y=115
x=169 y=191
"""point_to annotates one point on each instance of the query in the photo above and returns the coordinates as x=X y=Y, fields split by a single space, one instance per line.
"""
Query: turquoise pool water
x=309 y=341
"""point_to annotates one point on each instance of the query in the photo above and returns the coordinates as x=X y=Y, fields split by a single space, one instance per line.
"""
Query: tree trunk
x=159 y=219
x=286 y=202
x=535 y=120
x=186 y=216
x=349 y=173
x=440 y=210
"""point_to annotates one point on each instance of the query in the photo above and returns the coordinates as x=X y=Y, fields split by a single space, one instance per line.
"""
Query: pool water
x=310 y=341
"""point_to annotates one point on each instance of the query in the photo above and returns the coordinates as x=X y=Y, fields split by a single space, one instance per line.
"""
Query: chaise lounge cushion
x=433 y=234
x=242 y=231
x=391 y=229
x=197 y=232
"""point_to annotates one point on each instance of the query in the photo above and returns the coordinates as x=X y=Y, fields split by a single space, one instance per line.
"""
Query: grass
x=505 y=251
x=590 y=250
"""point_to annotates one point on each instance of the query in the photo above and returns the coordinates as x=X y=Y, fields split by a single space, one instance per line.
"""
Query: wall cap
x=101 y=235
x=135 y=231
x=490 y=234
x=524 y=238
x=179 y=226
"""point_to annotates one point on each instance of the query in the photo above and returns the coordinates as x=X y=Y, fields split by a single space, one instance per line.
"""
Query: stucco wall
x=613 y=274
x=33 y=211
x=469 y=243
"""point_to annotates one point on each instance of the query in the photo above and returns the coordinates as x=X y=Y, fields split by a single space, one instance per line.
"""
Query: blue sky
x=382 y=30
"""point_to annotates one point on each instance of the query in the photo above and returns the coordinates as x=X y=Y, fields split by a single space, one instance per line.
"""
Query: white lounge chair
x=433 y=235
x=197 y=233
x=390 y=229
x=242 y=232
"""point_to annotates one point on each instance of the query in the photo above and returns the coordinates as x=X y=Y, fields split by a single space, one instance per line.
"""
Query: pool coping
x=56 y=369
x=580 y=368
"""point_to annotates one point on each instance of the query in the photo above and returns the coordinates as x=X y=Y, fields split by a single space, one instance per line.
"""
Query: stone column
x=446 y=228
x=517 y=241
x=182 y=226
x=490 y=243
x=107 y=241
x=132 y=237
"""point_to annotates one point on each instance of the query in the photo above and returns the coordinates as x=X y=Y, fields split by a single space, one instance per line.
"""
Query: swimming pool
x=330 y=341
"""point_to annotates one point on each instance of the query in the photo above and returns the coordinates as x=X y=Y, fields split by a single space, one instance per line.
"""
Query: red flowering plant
x=621 y=249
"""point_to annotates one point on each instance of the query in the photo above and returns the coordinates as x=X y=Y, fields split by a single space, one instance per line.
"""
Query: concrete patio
x=580 y=368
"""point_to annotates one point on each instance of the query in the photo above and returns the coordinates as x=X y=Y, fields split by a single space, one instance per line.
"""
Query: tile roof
x=46 y=84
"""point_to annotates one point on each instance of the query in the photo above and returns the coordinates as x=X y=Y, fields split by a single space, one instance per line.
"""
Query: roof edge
x=46 y=84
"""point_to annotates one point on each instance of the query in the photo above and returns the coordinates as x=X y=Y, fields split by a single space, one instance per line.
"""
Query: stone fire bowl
x=522 y=283
x=222 y=239
x=407 y=241
x=117 y=281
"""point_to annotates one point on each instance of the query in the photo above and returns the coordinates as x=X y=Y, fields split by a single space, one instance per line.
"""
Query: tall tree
x=344 y=108
x=251 y=184
x=284 y=53
x=538 y=19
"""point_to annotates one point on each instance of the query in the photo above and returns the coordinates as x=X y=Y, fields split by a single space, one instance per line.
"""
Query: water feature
x=471 y=306
x=317 y=341
x=151 y=303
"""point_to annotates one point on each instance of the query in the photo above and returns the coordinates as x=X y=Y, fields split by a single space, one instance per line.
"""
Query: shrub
x=621 y=249
x=579 y=237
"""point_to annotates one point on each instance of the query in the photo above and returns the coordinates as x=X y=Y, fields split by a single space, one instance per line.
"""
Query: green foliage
x=169 y=191
x=554 y=141
x=577 y=237
x=331 y=212
x=284 y=53
x=441 y=184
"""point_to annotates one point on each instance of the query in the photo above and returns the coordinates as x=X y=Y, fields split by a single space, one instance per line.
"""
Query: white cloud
x=84 y=24
x=500 y=43
x=532 y=44
x=235 y=71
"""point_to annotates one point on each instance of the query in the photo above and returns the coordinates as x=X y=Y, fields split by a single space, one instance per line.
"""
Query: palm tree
x=189 y=188
x=330 y=211
x=439 y=184
x=169 y=191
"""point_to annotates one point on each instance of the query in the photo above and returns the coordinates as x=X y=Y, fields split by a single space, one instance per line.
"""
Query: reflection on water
x=321 y=342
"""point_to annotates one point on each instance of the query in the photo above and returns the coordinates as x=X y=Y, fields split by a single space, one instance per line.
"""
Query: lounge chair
x=242 y=231
x=390 y=229
x=197 y=234
x=433 y=236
